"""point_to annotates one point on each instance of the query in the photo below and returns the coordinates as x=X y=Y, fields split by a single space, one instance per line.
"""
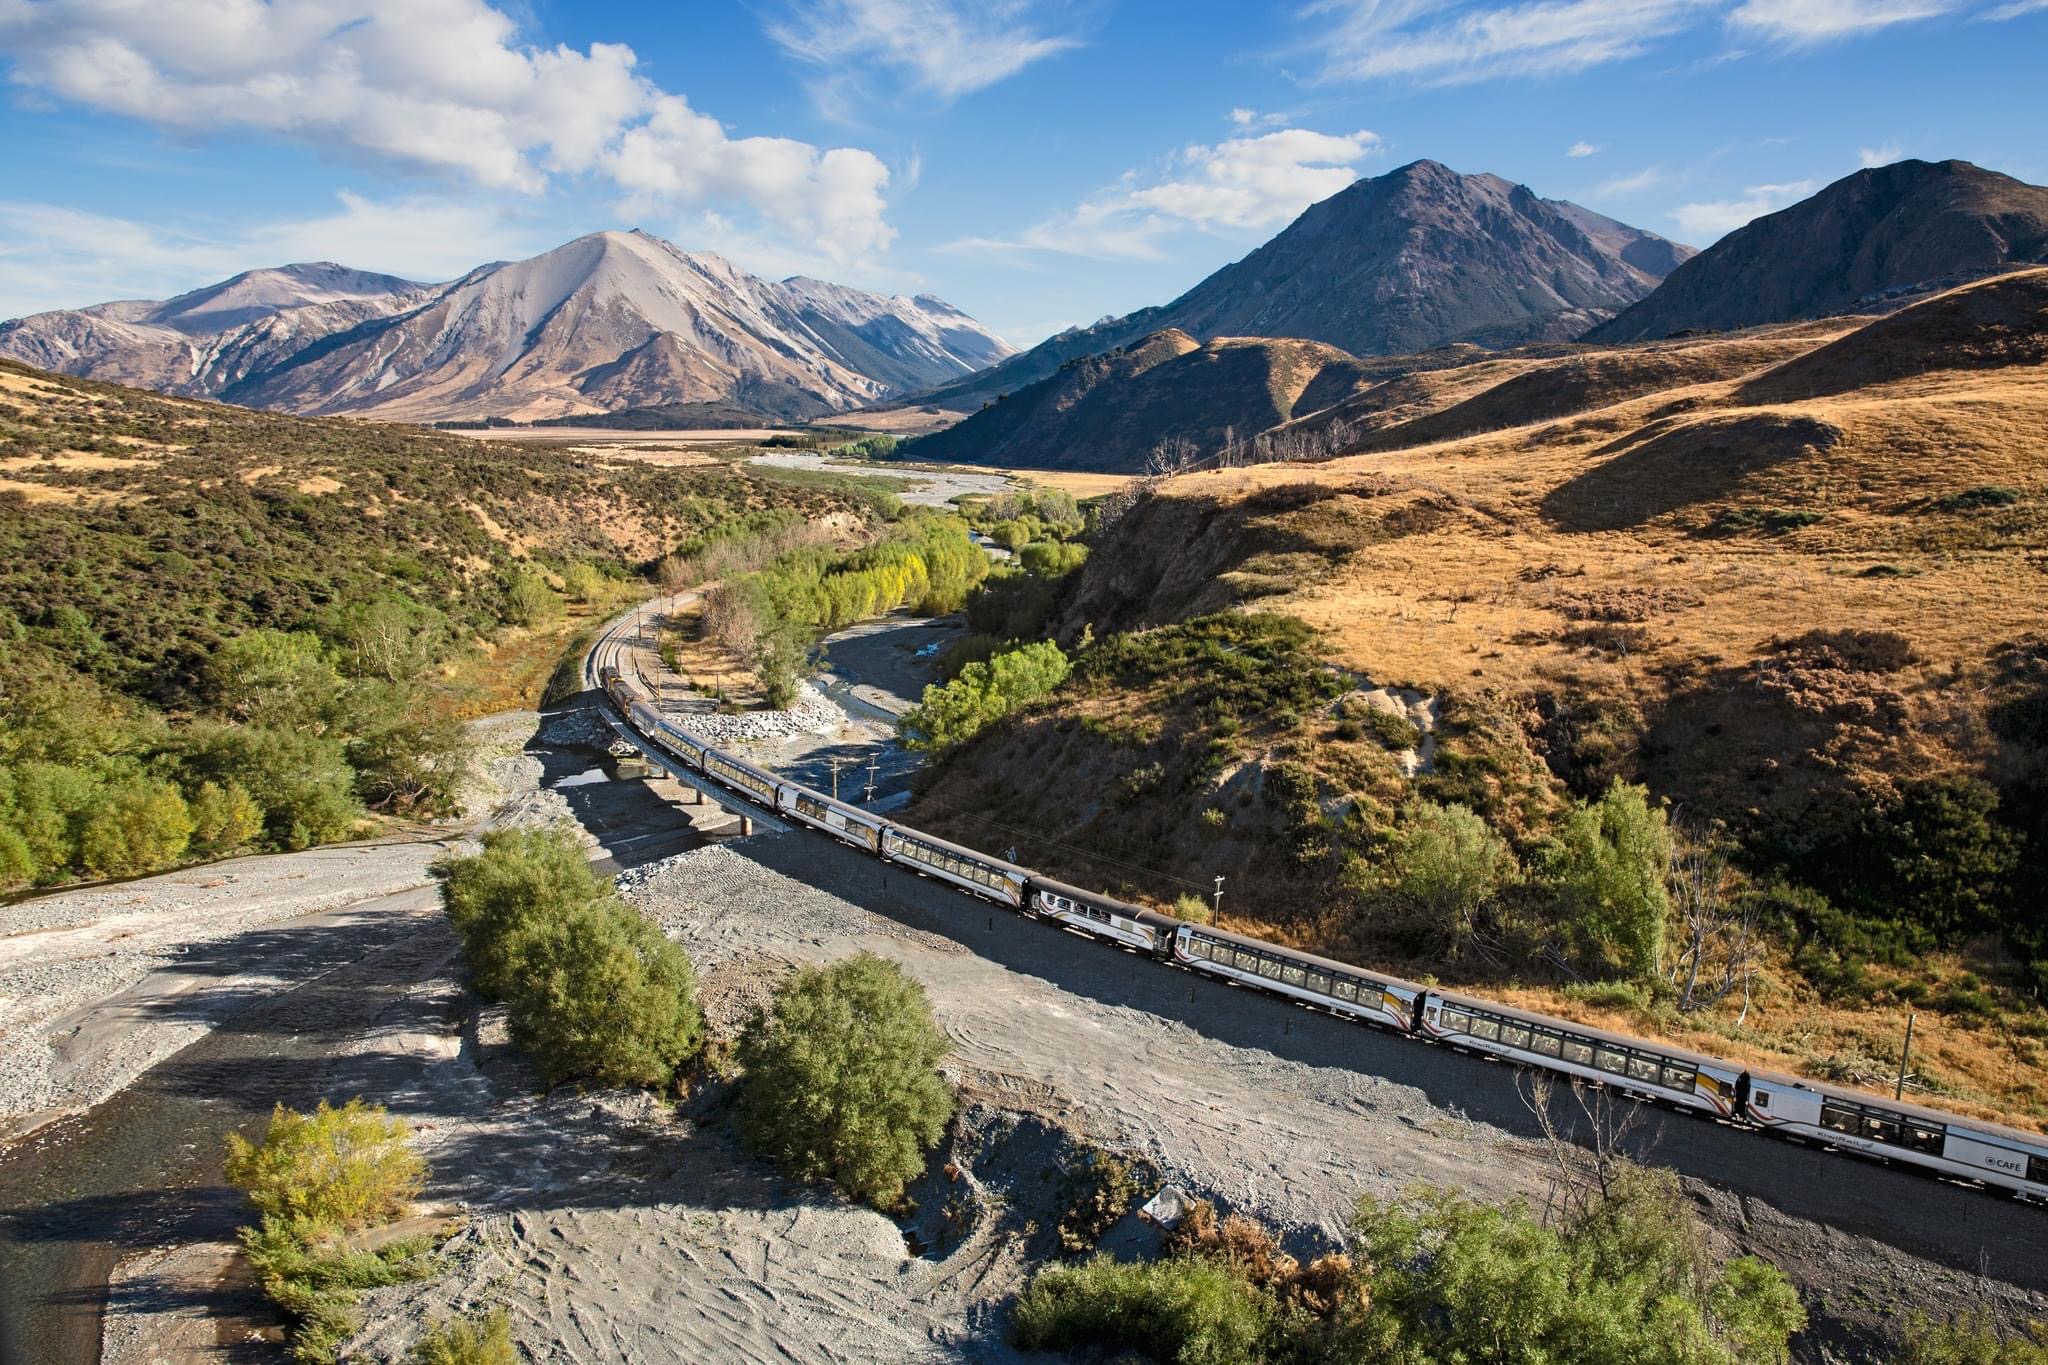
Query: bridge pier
x=746 y=825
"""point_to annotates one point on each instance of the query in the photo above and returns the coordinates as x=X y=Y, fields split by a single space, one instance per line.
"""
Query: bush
x=1052 y=558
x=1446 y=863
x=583 y=582
x=1607 y=869
x=224 y=818
x=529 y=601
x=1973 y=1339
x=841 y=1078
x=1984 y=495
x=303 y=782
x=334 y=1168
x=482 y=1340
x=1192 y=909
x=594 y=992
x=138 y=825
x=983 y=694
x=1099 y=1189
x=1394 y=732
x=1184 y=1311
x=282 y=680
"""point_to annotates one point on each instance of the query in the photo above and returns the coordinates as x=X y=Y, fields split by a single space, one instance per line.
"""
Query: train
x=1827 y=1116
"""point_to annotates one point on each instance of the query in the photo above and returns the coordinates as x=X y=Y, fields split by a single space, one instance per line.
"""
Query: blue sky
x=1035 y=162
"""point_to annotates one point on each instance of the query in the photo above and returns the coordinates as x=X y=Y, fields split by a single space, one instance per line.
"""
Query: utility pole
x=873 y=759
x=835 y=776
x=1905 y=1055
x=1218 y=908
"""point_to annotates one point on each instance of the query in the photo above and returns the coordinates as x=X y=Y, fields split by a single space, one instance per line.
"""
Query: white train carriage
x=741 y=776
x=1100 y=916
x=1652 y=1070
x=1893 y=1130
x=836 y=818
x=1350 y=991
x=976 y=872
x=680 y=742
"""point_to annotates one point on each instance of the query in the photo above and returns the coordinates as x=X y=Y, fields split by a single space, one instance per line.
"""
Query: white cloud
x=2014 y=10
x=946 y=49
x=1704 y=222
x=1615 y=186
x=441 y=85
x=56 y=257
x=1581 y=149
x=1253 y=182
x=1450 y=42
x=1802 y=23
x=1244 y=118
x=1885 y=153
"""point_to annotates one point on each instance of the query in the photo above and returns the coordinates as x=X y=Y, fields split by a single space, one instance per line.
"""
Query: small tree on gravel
x=520 y=876
x=842 y=1080
x=342 y=1168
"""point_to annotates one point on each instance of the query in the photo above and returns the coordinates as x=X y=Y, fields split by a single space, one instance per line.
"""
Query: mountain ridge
x=1416 y=258
x=607 y=321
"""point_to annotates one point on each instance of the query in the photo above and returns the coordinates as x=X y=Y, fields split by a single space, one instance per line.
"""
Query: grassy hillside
x=222 y=628
x=1810 y=626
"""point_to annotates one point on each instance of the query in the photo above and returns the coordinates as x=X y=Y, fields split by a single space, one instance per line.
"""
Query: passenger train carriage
x=1348 y=990
x=836 y=818
x=977 y=872
x=1893 y=1130
x=1650 y=1069
x=1100 y=916
x=1869 y=1125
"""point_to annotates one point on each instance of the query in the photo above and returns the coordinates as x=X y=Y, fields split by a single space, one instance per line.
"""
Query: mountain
x=610 y=321
x=1107 y=412
x=1905 y=228
x=1416 y=258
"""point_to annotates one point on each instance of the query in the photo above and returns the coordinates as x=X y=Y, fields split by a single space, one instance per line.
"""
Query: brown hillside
x=1654 y=585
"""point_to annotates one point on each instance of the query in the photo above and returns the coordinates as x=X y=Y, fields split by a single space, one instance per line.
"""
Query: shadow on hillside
x=1666 y=468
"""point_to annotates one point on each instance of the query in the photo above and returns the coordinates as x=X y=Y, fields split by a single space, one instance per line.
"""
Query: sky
x=1037 y=163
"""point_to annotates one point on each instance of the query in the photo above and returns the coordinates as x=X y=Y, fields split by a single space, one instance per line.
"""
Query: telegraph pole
x=873 y=760
x=835 y=777
x=1218 y=908
x=1905 y=1056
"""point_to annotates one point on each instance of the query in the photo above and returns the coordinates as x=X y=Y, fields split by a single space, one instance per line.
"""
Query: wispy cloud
x=447 y=87
x=1254 y=182
x=1705 y=221
x=1883 y=154
x=1449 y=42
x=1581 y=149
x=2014 y=11
x=947 y=49
x=1805 y=23
x=1620 y=185
x=57 y=257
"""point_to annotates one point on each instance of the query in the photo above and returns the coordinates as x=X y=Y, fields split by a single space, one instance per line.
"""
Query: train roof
x=1885 y=1102
x=1071 y=892
x=1480 y=1002
x=856 y=812
x=987 y=860
x=1326 y=963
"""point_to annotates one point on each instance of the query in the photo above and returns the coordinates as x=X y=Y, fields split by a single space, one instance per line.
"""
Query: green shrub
x=277 y=679
x=529 y=601
x=1607 y=868
x=485 y=1339
x=593 y=991
x=1395 y=732
x=1052 y=558
x=1100 y=1187
x=303 y=782
x=583 y=582
x=334 y=1168
x=1445 y=864
x=224 y=817
x=1618 y=995
x=1183 y=1311
x=1192 y=909
x=1973 y=1339
x=136 y=825
x=983 y=694
x=316 y=1279
x=841 y=1078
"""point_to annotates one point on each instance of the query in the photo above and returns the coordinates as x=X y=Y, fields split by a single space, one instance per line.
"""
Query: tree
x=340 y=1168
x=224 y=817
x=841 y=1078
x=1972 y=1339
x=485 y=1339
x=983 y=694
x=412 y=762
x=1052 y=558
x=1185 y=1311
x=529 y=601
x=1446 y=863
x=392 y=638
x=303 y=783
x=1607 y=869
x=603 y=997
x=138 y=825
x=1720 y=937
x=519 y=875
x=583 y=581
x=273 y=678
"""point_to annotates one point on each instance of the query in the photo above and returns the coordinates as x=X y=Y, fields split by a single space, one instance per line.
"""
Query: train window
x=1345 y=988
x=1922 y=1137
x=1881 y=1129
x=1482 y=1027
x=1197 y=947
x=1644 y=1069
x=1514 y=1035
x=1760 y=1099
x=1607 y=1059
x=2037 y=1170
x=1838 y=1117
x=1544 y=1044
x=1292 y=975
x=1319 y=982
x=1680 y=1077
x=1576 y=1050
x=1456 y=1021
